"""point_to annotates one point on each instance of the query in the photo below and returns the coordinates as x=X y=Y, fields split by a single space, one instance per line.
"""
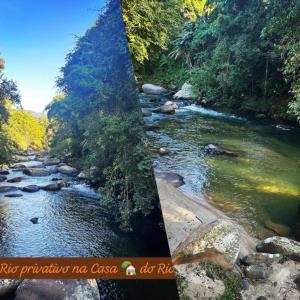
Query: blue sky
x=35 y=36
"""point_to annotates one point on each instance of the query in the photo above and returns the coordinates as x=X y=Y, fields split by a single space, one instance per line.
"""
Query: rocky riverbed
x=200 y=230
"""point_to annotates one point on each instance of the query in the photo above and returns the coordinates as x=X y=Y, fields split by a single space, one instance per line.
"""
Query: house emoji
x=130 y=271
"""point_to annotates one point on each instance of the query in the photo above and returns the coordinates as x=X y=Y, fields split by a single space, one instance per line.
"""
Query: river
x=72 y=222
x=260 y=188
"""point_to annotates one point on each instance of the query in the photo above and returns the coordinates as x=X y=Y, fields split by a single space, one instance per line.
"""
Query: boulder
x=31 y=188
x=13 y=195
x=216 y=150
x=8 y=189
x=186 y=92
x=63 y=184
x=52 y=187
x=54 y=289
x=51 y=161
x=171 y=103
x=217 y=241
x=281 y=245
x=146 y=112
x=34 y=220
x=261 y=258
x=175 y=179
x=163 y=151
x=15 y=179
x=4 y=172
x=67 y=170
x=8 y=285
x=153 y=89
x=165 y=109
x=18 y=166
x=83 y=175
x=38 y=172
x=56 y=179
x=2 y=178
x=257 y=272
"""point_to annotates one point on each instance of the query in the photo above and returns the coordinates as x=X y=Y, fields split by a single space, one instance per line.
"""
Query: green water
x=260 y=186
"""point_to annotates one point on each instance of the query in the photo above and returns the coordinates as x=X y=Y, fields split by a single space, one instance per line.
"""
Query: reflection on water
x=261 y=185
x=72 y=222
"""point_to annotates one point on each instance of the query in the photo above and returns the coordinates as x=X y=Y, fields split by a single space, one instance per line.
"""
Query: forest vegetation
x=242 y=54
x=96 y=121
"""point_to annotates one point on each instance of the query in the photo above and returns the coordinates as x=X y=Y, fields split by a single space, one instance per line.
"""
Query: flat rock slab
x=8 y=189
x=35 y=289
x=15 y=179
x=13 y=195
x=153 y=89
x=36 y=172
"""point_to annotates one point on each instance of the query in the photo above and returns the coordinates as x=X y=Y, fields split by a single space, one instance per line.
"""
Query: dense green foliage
x=25 y=130
x=239 y=54
x=152 y=24
x=97 y=123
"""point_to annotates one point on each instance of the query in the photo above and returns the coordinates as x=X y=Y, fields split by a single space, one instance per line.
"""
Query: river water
x=260 y=188
x=72 y=222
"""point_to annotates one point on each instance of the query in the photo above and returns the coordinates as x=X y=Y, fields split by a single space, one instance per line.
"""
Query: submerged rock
x=8 y=285
x=67 y=170
x=15 y=179
x=151 y=126
x=277 y=228
x=216 y=150
x=186 y=92
x=4 y=172
x=217 y=241
x=54 y=289
x=175 y=179
x=7 y=189
x=153 y=89
x=13 y=195
x=146 y=112
x=163 y=151
x=31 y=188
x=34 y=220
x=261 y=258
x=281 y=245
x=2 y=178
x=36 y=172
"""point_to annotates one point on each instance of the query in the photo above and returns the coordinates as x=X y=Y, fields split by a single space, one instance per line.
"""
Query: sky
x=35 y=36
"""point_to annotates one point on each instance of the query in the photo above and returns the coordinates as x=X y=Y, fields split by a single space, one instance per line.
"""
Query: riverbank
x=254 y=274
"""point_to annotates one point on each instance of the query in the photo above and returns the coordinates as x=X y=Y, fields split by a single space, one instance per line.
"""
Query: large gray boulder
x=52 y=187
x=36 y=172
x=153 y=89
x=50 y=289
x=51 y=161
x=186 y=92
x=67 y=170
x=8 y=285
x=31 y=188
x=217 y=241
x=282 y=245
